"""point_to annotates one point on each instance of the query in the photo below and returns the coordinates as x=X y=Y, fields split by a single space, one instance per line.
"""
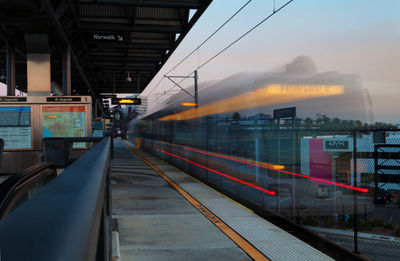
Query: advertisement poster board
x=64 y=121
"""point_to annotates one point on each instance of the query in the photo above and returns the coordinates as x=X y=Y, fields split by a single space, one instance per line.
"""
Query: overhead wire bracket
x=177 y=84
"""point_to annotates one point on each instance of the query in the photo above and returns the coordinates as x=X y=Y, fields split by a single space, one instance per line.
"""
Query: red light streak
x=229 y=158
x=364 y=190
x=219 y=173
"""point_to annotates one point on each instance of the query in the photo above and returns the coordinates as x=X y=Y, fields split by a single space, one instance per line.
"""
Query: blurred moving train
x=231 y=141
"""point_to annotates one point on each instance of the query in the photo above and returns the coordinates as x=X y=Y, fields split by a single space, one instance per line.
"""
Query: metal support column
x=10 y=70
x=66 y=70
x=94 y=109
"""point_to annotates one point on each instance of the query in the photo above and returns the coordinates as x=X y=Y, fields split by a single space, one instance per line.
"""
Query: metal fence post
x=376 y=177
x=278 y=198
x=355 y=192
x=293 y=169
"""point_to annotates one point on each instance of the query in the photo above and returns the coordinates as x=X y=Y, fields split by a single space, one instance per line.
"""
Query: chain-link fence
x=358 y=204
x=343 y=184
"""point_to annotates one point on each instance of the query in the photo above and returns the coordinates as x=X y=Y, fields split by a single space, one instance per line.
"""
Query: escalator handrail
x=11 y=185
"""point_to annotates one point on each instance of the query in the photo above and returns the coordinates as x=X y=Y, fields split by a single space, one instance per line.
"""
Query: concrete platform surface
x=155 y=222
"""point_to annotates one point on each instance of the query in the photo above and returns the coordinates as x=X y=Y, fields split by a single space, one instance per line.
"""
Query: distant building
x=331 y=158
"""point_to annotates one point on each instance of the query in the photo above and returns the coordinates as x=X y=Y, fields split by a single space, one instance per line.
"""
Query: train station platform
x=165 y=214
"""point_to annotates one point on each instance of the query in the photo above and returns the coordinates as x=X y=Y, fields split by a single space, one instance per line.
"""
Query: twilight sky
x=350 y=36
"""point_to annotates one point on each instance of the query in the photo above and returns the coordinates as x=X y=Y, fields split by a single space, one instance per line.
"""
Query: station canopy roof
x=108 y=38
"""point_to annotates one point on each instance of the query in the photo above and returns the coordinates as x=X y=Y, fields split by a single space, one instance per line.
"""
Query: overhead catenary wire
x=206 y=40
x=275 y=11
x=243 y=35
x=209 y=37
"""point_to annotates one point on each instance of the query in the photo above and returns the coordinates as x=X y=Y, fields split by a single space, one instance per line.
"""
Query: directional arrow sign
x=105 y=37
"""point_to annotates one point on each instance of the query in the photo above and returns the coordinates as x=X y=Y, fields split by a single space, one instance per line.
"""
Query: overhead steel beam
x=109 y=27
x=118 y=63
x=123 y=82
x=102 y=58
x=97 y=19
x=184 y=16
x=118 y=46
x=4 y=63
x=150 y=41
x=8 y=39
x=127 y=68
x=60 y=31
x=62 y=7
x=73 y=8
x=127 y=90
x=125 y=20
x=119 y=75
x=151 y=3
x=108 y=53
x=124 y=86
x=21 y=21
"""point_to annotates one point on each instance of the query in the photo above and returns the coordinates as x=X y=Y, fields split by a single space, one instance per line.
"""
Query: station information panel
x=64 y=121
x=15 y=127
x=25 y=121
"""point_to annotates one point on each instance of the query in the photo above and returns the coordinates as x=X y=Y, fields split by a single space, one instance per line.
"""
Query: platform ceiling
x=135 y=36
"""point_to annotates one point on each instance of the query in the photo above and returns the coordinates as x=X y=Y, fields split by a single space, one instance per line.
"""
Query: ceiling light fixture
x=128 y=79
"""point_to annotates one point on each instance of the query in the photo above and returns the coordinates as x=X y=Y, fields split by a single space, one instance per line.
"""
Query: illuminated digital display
x=305 y=89
x=272 y=94
x=15 y=127
x=124 y=101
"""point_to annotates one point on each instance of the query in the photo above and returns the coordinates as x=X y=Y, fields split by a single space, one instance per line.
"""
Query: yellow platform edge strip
x=249 y=249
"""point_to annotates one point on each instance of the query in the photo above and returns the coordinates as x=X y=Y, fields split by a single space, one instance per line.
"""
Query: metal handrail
x=1 y=150
x=68 y=219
